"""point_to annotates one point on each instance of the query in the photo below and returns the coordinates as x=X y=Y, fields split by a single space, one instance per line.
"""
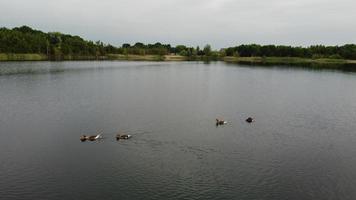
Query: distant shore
x=130 y=57
x=287 y=60
x=43 y=57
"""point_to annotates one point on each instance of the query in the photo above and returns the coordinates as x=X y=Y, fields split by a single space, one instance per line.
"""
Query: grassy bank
x=22 y=57
x=135 y=57
x=287 y=60
x=147 y=57
x=41 y=57
x=131 y=57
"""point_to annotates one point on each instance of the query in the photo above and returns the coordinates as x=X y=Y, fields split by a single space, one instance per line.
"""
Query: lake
x=302 y=144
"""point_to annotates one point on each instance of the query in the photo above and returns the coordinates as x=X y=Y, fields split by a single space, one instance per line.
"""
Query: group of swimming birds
x=84 y=138
x=222 y=122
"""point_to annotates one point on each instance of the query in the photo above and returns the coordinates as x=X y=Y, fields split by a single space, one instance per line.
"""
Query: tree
x=126 y=45
x=207 y=50
x=180 y=48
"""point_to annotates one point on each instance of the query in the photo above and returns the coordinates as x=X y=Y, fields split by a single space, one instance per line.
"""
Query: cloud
x=192 y=22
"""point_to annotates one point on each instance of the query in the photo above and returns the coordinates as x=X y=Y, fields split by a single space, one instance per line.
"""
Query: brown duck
x=84 y=138
x=220 y=122
x=123 y=137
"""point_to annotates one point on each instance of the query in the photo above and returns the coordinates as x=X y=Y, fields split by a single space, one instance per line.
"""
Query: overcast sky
x=192 y=22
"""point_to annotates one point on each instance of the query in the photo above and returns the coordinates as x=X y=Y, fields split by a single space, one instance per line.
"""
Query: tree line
x=347 y=51
x=57 y=45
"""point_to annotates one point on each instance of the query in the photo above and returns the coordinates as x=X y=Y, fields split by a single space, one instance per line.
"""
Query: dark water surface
x=302 y=145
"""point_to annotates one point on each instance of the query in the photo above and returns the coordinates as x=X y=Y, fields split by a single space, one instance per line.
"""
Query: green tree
x=207 y=50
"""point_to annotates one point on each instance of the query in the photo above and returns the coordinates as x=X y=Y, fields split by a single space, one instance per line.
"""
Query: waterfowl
x=250 y=120
x=122 y=137
x=83 y=138
x=220 y=122
x=94 y=137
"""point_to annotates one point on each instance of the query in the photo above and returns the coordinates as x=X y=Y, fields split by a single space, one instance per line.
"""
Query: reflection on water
x=343 y=67
x=300 y=147
x=14 y=68
x=42 y=67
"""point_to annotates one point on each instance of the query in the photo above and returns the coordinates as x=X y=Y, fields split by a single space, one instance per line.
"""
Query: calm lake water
x=302 y=145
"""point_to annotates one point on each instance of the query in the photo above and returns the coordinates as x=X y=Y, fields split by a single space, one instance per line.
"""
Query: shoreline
x=167 y=58
x=286 y=60
x=5 y=57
